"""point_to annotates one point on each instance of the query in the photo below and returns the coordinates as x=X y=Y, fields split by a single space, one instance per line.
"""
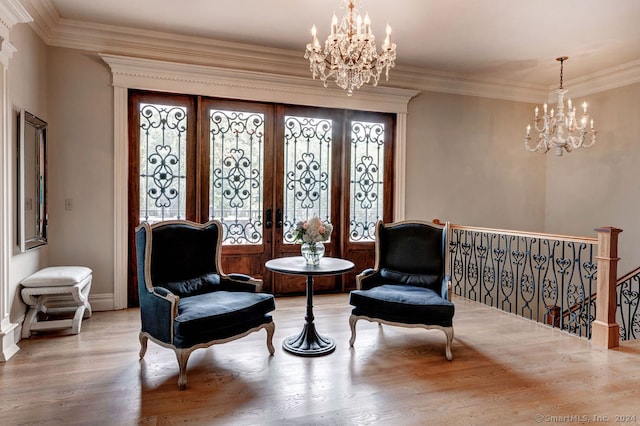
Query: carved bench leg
x=28 y=321
x=76 y=323
x=83 y=297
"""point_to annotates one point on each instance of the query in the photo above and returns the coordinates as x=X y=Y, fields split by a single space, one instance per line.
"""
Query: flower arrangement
x=312 y=230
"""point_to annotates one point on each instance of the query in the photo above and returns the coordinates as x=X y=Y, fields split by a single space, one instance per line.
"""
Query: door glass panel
x=367 y=179
x=236 y=146
x=163 y=156
x=307 y=171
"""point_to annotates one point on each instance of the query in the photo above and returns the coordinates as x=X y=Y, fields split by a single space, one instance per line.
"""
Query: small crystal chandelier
x=559 y=130
x=350 y=56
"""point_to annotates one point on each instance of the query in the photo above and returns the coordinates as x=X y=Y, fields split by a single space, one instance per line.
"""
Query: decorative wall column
x=605 y=331
x=11 y=12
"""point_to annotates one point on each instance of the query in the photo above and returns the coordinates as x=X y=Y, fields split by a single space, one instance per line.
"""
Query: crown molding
x=151 y=74
x=6 y=52
x=436 y=81
x=132 y=42
x=603 y=80
x=11 y=12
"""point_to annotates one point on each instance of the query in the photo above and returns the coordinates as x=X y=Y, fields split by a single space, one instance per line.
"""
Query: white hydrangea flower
x=313 y=230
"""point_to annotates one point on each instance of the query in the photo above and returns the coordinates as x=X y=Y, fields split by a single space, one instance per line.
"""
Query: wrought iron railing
x=628 y=296
x=542 y=277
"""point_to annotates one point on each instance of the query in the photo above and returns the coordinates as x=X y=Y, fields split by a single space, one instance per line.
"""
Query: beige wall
x=27 y=89
x=600 y=186
x=71 y=90
x=81 y=164
x=466 y=163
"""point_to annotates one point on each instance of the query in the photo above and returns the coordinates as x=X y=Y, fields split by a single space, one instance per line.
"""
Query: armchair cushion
x=403 y=303
x=219 y=315
x=194 y=286
x=420 y=280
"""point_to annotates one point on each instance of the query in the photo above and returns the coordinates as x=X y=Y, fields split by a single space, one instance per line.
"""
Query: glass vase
x=312 y=253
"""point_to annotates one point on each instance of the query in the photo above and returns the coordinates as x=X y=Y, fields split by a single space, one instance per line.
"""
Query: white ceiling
x=516 y=40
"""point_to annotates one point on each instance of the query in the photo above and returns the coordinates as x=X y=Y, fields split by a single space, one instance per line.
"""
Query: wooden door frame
x=280 y=248
x=135 y=98
x=340 y=246
x=362 y=253
x=235 y=257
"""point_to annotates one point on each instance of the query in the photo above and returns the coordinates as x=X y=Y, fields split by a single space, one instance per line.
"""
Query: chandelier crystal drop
x=350 y=56
x=559 y=129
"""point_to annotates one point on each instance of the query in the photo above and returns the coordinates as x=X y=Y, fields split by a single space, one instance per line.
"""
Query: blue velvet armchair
x=186 y=301
x=408 y=286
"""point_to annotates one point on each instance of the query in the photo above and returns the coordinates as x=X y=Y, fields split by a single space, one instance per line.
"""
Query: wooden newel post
x=605 y=332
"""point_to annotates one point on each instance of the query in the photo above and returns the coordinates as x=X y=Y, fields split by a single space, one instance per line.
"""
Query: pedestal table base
x=309 y=343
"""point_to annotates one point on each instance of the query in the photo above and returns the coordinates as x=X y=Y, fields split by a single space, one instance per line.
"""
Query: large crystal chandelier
x=561 y=130
x=350 y=56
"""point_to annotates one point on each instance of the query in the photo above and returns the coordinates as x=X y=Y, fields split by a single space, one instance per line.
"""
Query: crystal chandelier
x=350 y=56
x=561 y=130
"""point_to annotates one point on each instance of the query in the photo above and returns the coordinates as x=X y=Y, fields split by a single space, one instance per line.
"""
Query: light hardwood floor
x=505 y=370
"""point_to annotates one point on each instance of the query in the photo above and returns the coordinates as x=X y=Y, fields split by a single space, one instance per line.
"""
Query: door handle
x=268 y=223
x=278 y=218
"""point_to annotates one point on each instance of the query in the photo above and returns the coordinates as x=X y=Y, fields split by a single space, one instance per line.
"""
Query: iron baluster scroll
x=627 y=314
x=548 y=280
x=367 y=179
x=163 y=162
x=236 y=177
x=307 y=164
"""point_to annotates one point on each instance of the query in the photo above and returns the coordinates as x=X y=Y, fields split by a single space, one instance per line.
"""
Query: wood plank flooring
x=505 y=370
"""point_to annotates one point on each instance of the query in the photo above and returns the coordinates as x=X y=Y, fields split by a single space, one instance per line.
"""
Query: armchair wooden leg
x=449 y=333
x=143 y=344
x=352 y=323
x=183 y=357
x=270 y=328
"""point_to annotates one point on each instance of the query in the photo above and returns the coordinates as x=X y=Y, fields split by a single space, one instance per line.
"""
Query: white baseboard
x=9 y=338
x=102 y=302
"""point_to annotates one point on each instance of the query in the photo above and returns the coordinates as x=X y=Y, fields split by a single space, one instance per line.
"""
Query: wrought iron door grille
x=307 y=164
x=163 y=154
x=236 y=144
x=367 y=179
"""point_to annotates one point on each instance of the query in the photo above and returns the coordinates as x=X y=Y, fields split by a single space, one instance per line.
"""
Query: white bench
x=53 y=282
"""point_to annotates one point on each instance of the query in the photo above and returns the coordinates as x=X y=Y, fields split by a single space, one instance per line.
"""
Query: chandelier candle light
x=561 y=130
x=350 y=56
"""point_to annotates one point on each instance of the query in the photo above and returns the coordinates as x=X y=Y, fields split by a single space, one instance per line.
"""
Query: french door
x=259 y=169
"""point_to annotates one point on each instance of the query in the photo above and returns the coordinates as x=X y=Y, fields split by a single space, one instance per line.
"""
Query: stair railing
x=539 y=276
x=627 y=303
